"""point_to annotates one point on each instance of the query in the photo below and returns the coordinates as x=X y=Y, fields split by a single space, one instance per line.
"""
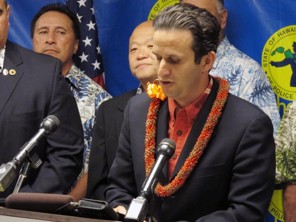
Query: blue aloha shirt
x=247 y=79
x=88 y=95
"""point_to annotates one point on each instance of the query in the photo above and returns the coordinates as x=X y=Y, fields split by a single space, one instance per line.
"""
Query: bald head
x=146 y=26
x=216 y=8
x=141 y=59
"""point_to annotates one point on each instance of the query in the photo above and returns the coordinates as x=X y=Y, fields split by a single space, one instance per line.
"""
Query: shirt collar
x=2 y=53
x=140 y=89
x=193 y=108
x=74 y=76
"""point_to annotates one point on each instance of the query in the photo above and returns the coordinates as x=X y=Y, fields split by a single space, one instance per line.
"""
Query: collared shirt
x=286 y=146
x=139 y=90
x=88 y=95
x=181 y=121
x=2 y=53
x=246 y=78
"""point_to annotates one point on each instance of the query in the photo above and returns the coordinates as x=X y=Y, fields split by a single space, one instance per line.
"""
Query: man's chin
x=51 y=53
x=145 y=74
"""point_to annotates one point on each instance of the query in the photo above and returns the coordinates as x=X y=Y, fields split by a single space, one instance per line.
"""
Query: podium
x=12 y=215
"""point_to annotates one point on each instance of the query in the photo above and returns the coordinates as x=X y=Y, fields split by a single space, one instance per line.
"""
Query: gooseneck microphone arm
x=8 y=170
x=138 y=207
x=27 y=147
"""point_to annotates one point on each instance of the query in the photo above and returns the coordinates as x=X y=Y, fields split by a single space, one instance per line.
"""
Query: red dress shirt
x=181 y=121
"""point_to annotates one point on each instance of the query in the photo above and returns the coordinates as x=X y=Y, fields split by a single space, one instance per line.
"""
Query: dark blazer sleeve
x=125 y=179
x=253 y=172
x=109 y=118
x=35 y=91
x=63 y=155
x=98 y=162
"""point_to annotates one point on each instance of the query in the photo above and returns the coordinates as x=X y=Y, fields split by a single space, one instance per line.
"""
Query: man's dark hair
x=57 y=7
x=203 y=26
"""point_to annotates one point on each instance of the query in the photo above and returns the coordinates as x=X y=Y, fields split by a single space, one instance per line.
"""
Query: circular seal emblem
x=159 y=5
x=276 y=205
x=279 y=62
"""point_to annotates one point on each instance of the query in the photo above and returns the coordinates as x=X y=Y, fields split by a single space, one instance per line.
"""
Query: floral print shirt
x=246 y=78
x=285 y=144
x=88 y=95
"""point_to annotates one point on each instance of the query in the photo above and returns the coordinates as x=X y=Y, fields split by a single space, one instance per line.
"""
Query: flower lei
x=155 y=91
x=200 y=145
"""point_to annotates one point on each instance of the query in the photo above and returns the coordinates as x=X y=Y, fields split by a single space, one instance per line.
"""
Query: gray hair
x=203 y=26
x=220 y=4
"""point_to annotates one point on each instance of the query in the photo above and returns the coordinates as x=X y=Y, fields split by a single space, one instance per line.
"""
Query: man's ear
x=8 y=11
x=223 y=19
x=207 y=61
x=76 y=44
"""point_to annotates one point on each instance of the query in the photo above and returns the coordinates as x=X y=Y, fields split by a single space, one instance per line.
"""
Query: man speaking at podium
x=223 y=166
x=31 y=88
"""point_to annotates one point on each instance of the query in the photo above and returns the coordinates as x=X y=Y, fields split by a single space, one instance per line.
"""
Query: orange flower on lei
x=200 y=145
x=155 y=91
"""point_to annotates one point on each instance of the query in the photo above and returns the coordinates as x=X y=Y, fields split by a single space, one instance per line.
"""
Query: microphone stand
x=32 y=161
x=8 y=170
x=138 y=207
x=22 y=176
x=137 y=210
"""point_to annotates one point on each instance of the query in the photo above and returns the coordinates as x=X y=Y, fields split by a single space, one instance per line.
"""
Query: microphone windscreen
x=50 y=123
x=41 y=202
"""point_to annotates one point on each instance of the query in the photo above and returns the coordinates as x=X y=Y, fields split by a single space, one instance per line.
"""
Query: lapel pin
x=12 y=72
x=5 y=72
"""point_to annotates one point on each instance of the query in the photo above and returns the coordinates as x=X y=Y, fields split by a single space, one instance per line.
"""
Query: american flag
x=88 y=57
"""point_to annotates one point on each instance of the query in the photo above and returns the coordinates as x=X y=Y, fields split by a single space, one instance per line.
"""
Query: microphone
x=166 y=149
x=41 y=202
x=60 y=204
x=138 y=207
x=8 y=170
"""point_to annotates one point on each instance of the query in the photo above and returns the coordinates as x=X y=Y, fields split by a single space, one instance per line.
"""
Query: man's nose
x=142 y=53
x=162 y=68
x=50 y=38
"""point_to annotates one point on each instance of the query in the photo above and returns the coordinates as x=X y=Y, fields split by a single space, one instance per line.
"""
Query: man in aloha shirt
x=55 y=31
x=286 y=160
x=88 y=95
x=286 y=146
x=246 y=77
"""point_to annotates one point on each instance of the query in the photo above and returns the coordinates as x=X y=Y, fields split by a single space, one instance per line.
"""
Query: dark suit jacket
x=233 y=180
x=35 y=91
x=109 y=118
